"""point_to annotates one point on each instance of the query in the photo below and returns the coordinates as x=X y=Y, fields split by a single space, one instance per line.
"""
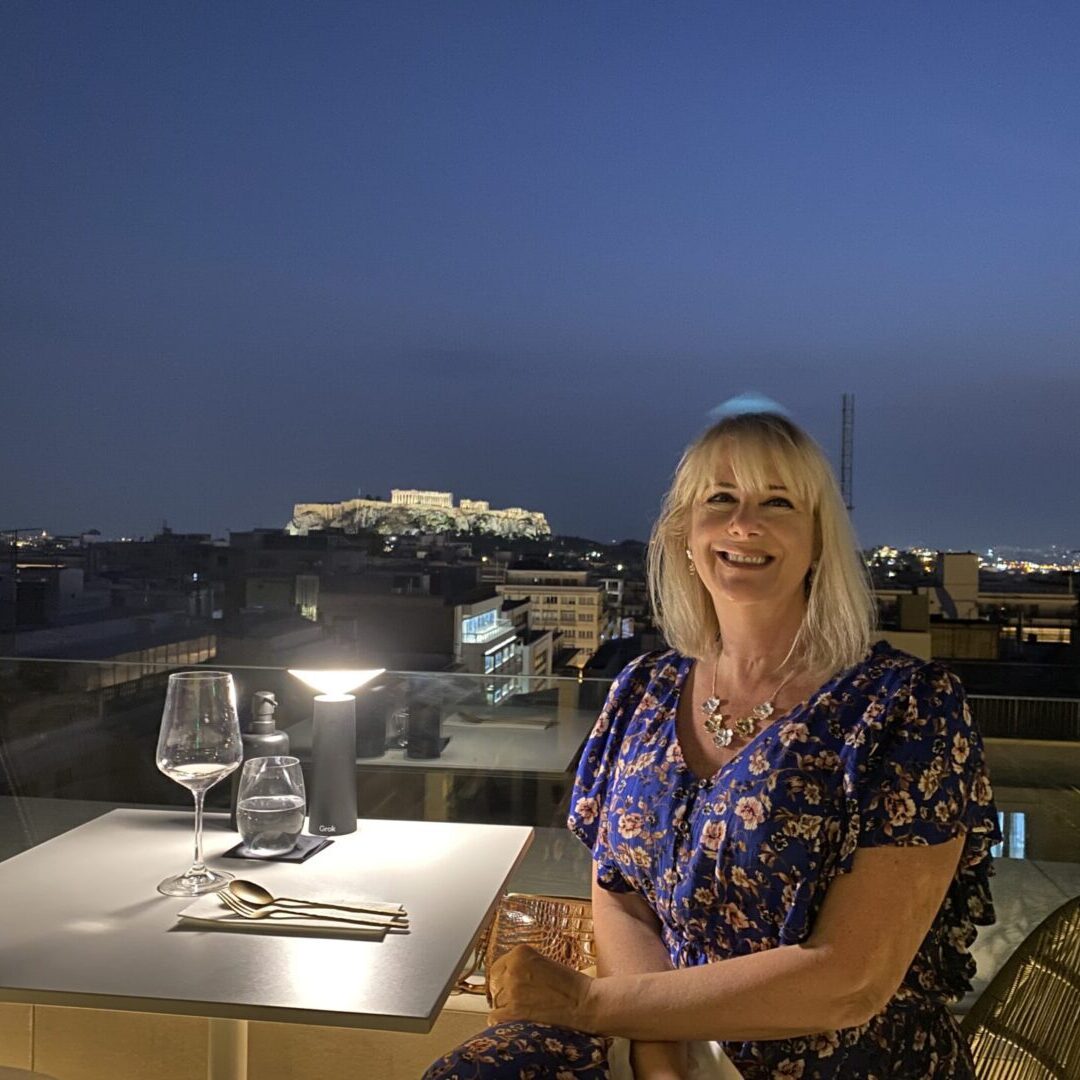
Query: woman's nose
x=744 y=520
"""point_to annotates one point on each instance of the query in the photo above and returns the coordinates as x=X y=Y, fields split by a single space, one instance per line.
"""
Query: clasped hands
x=528 y=986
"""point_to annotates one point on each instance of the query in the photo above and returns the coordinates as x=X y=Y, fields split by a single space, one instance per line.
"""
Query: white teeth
x=751 y=560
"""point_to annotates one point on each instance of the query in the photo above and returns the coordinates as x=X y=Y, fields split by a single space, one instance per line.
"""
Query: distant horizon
x=215 y=534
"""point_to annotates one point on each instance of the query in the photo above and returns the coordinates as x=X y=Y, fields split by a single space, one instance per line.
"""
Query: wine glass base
x=189 y=884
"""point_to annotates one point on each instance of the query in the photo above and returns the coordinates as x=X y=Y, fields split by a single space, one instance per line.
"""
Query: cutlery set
x=251 y=901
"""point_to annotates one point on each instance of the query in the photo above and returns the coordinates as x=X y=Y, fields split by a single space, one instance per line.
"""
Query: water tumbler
x=270 y=805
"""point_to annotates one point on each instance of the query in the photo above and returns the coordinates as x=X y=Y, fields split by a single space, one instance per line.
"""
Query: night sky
x=260 y=253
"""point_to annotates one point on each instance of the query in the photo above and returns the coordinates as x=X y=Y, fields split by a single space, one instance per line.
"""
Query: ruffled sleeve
x=923 y=778
x=588 y=819
x=919 y=777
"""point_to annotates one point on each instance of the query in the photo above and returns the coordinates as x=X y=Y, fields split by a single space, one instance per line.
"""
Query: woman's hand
x=527 y=986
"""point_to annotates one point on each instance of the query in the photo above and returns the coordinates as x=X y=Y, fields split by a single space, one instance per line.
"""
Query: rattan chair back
x=1026 y=1023
x=558 y=927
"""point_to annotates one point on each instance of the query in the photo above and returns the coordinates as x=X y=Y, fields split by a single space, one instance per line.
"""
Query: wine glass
x=199 y=744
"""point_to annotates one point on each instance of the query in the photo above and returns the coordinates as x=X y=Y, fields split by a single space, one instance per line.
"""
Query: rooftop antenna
x=847 y=448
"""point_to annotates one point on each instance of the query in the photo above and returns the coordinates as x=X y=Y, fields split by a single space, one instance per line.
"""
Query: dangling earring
x=690 y=561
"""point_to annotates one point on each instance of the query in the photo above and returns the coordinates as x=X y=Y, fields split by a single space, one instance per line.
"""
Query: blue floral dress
x=739 y=862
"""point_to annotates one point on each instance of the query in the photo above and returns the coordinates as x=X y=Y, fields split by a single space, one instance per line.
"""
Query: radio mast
x=847 y=448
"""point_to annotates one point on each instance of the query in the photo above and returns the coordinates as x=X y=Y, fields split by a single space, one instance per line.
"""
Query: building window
x=476 y=623
x=495 y=660
x=479 y=627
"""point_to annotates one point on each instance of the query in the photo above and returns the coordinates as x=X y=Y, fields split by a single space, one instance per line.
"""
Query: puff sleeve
x=923 y=777
x=919 y=777
x=588 y=819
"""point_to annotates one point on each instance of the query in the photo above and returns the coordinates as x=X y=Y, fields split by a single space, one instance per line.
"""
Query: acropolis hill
x=418 y=511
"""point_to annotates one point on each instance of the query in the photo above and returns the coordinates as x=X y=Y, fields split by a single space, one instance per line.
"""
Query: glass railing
x=1042 y=718
x=78 y=738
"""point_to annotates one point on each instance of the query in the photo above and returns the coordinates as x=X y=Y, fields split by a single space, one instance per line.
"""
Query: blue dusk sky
x=261 y=253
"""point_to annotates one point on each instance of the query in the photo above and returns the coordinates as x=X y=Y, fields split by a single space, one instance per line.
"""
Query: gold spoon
x=255 y=896
x=375 y=925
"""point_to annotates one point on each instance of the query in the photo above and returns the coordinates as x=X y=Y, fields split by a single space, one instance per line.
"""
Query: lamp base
x=332 y=806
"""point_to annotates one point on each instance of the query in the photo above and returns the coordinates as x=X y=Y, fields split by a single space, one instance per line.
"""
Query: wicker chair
x=1026 y=1023
x=558 y=927
x=1024 y=1026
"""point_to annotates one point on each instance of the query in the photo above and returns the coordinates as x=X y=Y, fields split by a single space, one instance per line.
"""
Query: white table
x=92 y=932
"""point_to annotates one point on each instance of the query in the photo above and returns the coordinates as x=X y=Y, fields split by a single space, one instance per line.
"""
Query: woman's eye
x=721 y=497
x=779 y=500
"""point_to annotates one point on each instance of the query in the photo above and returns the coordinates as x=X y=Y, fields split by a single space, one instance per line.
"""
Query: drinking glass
x=270 y=805
x=198 y=745
x=399 y=721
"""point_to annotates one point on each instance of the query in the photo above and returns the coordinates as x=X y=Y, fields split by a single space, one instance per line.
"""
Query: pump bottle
x=261 y=739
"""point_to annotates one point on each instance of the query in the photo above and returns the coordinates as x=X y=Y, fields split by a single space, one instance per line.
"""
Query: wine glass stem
x=197 y=867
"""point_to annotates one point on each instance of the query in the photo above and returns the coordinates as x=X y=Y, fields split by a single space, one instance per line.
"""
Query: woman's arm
x=871 y=924
x=628 y=943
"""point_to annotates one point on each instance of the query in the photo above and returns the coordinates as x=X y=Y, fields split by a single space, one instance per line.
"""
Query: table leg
x=226 y=1057
x=437 y=787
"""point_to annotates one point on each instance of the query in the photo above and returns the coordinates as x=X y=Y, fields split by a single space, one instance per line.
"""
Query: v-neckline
x=710 y=780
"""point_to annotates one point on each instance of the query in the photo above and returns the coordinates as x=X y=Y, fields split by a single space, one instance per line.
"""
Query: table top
x=539 y=752
x=92 y=931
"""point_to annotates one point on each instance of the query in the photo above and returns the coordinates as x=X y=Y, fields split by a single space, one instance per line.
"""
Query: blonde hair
x=764 y=448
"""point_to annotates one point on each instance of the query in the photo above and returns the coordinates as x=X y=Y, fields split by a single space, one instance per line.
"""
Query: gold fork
x=373 y=922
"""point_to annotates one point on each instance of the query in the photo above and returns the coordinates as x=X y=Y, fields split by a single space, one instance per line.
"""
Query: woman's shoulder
x=647 y=670
x=887 y=668
x=642 y=683
x=883 y=686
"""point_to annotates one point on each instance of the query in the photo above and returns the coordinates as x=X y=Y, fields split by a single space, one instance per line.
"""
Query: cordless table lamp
x=332 y=805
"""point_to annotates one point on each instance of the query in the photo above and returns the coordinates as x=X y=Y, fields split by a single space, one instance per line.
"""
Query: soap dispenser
x=260 y=739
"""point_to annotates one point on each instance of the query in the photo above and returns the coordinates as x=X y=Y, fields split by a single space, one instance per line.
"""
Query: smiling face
x=757 y=486
x=751 y=535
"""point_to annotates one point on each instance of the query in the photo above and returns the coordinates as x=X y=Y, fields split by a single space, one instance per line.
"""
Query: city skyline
x=1003 y=556
x=265 y=254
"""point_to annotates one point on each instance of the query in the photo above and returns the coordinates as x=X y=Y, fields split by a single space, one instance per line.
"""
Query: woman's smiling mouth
x=735 y=558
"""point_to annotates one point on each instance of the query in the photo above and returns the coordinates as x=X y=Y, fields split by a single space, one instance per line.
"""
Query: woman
x=790 y=828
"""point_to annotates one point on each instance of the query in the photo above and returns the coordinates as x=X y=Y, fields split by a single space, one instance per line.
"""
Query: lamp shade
x=336 y=683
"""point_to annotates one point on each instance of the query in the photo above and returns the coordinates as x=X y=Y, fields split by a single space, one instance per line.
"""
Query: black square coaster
x=306 y=846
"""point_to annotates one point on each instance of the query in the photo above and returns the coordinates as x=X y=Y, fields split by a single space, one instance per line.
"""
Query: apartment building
x=561 y=601
x=492 y=636
x=962 y=616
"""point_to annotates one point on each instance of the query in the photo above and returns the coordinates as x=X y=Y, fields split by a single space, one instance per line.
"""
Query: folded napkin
x=210 y=911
